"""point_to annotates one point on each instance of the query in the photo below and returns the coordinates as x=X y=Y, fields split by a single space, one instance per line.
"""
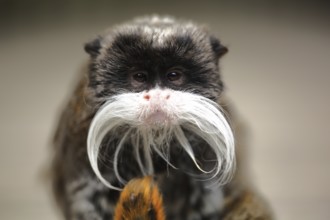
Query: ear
x=217 y=47
x=93 y=47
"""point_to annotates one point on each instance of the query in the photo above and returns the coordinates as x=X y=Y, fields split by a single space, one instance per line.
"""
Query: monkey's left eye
x=174 y=76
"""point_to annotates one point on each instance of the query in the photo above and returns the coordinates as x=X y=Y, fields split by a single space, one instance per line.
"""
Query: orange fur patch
x=138 y=199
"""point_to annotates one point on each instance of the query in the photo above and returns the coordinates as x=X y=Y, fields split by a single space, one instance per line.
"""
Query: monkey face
x=159 y=78
x=140 y=56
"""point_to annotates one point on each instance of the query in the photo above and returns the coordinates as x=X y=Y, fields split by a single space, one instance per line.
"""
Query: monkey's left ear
x=217 y=47
x=93 y=47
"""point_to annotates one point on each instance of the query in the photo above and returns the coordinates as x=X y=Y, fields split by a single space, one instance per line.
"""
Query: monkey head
x=156 y=83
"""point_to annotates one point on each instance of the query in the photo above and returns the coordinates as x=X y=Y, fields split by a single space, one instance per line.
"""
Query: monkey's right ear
x=93 y=47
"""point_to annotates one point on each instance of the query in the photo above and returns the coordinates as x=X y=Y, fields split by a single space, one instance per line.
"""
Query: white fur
x=153 y=123
x=159 y=35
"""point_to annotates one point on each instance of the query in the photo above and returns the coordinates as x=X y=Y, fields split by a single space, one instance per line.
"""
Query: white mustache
x=154 y=123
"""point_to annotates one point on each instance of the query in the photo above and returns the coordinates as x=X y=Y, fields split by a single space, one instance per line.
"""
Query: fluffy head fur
x=158 y=114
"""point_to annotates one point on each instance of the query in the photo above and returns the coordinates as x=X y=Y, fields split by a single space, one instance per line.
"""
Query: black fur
x=217 y=47
x=133 y=51
x=93 y=47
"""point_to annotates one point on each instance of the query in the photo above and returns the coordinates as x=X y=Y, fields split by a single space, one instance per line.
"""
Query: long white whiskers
x=195 y=114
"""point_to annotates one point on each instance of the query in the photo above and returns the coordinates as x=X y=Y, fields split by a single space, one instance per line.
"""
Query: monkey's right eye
x=140 y=77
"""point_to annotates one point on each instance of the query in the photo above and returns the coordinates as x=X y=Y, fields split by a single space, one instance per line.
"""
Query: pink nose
x=146 y=96
x=156 y=95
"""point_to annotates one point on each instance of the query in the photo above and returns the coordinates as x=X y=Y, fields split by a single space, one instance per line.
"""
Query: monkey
x=151 y=102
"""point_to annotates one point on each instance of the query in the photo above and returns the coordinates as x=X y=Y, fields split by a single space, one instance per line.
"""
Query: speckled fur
x=155 y=44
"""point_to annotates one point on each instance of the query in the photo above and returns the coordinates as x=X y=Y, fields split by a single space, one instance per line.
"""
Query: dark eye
x=174 y=76
x=140 y=77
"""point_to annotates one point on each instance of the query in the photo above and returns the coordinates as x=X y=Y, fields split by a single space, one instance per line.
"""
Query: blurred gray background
x=277 y=75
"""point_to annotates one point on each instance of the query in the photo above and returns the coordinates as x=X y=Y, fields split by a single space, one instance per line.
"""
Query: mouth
x=158 y=117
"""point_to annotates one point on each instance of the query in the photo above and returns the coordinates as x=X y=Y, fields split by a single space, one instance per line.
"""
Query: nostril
x=167 y=96
x=146 y=97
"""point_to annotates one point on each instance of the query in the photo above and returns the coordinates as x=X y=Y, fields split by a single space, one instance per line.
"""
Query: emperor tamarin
x=151 y=103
